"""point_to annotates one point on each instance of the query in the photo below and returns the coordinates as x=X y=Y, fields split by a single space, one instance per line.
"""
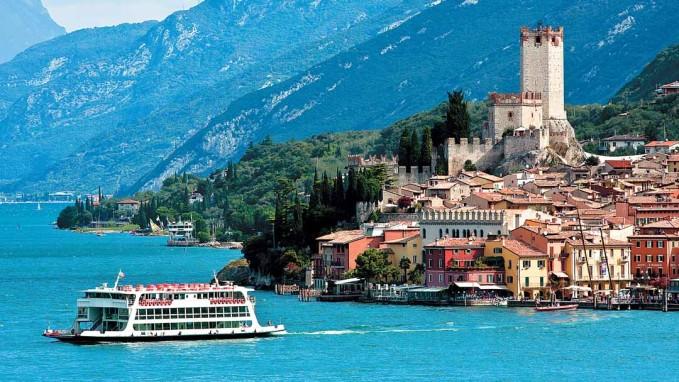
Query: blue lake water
x=42 y=271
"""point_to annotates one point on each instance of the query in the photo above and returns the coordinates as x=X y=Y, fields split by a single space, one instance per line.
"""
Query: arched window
x=440 y=233
x=475 y=233
x=424 y=233
x=447 y=232
x=510 y=115
x=481 y=233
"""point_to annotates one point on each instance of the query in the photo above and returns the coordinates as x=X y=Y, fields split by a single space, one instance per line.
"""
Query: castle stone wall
x=482 y=154
x=534 y=139
x=415 y=175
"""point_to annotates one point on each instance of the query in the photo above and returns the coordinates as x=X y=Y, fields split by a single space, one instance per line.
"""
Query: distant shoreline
x=40 y=202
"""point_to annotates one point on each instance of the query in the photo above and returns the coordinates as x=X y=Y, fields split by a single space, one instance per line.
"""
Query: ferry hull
x=91 y=340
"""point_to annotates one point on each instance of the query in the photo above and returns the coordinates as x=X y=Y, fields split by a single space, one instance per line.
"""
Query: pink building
x=449 y=260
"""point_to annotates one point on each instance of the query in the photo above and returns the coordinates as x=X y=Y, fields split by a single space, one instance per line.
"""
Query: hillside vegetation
x=663 y=69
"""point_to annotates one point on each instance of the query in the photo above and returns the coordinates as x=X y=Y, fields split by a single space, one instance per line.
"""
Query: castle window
x=538 y=39
x=510 y=115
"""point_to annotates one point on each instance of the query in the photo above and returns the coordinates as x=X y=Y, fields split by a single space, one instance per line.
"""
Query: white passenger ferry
x=163 y=312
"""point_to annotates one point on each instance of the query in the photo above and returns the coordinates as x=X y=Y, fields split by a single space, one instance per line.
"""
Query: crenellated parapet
x=460 y=216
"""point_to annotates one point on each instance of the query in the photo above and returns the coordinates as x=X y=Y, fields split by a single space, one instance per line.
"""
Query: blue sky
x=78 y=14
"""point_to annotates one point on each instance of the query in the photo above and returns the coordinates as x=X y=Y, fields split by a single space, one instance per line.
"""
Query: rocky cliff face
x=563 y=144
x=103 y=106
x=124 y=107
x=410 y=67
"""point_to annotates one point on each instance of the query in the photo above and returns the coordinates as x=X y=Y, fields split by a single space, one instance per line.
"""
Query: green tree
x=469 y=165
x=404 y=264
x=592 y=161
x=84 y=218
x=426 y=148
x=414 y=152
x=371 y=265
x=68 y=217
x=651 y=132
x=416 y=276
x=457 y=116
x=404 y=148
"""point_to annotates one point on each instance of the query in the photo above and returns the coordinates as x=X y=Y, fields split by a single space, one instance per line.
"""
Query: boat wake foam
x=345 y=332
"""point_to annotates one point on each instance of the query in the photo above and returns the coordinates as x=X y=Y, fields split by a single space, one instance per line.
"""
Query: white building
x=622 y=142
x=468 y=222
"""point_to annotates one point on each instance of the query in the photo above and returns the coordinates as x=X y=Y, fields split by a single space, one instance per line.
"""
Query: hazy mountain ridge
x=408 y=68
x=24 y=23
x=120 y=107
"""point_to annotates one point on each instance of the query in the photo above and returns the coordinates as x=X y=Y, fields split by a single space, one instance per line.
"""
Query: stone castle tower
x=529 y=127
x=542 y=68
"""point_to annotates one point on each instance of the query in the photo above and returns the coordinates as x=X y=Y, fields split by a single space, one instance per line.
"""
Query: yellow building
x=525 y=267
x=589 y=261
x=409 y=247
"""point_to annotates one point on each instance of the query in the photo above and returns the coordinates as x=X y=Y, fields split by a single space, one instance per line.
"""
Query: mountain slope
x=469 y=45
x=663 y=69
x=126 y=106
x=24 y=23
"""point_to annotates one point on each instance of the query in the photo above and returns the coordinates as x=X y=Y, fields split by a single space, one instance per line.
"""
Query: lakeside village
x=596 y=233
x=433 y=225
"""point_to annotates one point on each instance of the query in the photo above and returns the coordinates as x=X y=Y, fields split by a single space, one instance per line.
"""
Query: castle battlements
x=465 y=147
x=516 y=99
x=451 y=215
x=542 y=31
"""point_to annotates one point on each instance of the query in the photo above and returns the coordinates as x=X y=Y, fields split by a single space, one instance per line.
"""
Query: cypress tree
x=338 y=199
x=326 y=198
x=426 y=149
x=414 y=154
x=315 y=196
x=404 y=148
x=457 y=116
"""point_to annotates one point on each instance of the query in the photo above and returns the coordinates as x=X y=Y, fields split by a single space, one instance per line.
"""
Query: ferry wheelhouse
x=164 y=312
